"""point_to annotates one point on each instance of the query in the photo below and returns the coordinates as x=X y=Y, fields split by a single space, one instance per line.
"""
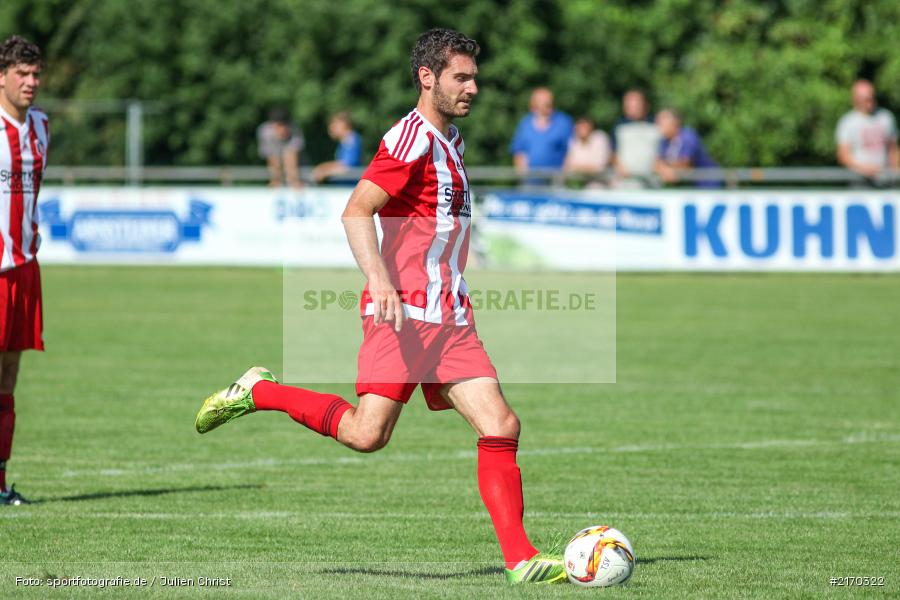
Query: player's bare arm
x=359 y=223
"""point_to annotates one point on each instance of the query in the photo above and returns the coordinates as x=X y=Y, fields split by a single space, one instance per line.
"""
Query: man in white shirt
x=867 y=135
x=635 y=140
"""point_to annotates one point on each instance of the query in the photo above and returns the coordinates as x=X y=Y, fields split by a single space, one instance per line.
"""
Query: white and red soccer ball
x=599 y=556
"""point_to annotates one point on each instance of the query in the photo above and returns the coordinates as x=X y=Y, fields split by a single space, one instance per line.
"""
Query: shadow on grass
x=411 y=574
x=656 y=559
x=147 y=493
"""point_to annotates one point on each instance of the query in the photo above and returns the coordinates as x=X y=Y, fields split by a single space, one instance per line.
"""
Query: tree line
x=763 y=81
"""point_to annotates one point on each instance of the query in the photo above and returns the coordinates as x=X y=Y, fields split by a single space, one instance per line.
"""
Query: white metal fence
x=483 y=176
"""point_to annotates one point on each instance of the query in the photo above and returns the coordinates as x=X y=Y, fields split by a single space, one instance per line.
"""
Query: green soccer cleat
x=540 y=568
x=232 y=402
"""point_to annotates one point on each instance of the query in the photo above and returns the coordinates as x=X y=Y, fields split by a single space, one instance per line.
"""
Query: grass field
x=750 y=448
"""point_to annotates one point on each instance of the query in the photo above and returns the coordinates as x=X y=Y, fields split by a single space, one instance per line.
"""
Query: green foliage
x=763 y=80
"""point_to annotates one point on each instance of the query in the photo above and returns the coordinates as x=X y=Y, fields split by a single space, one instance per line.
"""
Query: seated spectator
x=542 y=137
x=635 y=140
x=680 y=148
x=349 y=150
x=280 y=143
x=589 y=151
x=867 y=135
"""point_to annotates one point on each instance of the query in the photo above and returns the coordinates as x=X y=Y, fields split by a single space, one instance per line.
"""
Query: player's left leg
x=9 y=371
x=480 y=401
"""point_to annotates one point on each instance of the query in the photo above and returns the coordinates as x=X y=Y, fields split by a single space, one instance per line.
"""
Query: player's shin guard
x=320 y=412
x=7 y=424
x=500 y=484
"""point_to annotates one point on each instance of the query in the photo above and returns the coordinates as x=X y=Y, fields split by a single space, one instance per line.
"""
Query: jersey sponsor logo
x=24 y=181
x=118 y=230
x=460 y=203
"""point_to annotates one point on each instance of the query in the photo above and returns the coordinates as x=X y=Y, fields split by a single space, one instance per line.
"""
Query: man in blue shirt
x=542 y=137
x=349 y=150
x=680 y=148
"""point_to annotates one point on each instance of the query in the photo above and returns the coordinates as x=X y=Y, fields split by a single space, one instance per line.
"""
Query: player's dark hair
x=16 y=50
x=435 y=47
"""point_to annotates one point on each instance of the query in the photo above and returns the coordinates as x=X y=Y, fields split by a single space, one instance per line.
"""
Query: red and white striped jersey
x=426 y=222
x=23 y=158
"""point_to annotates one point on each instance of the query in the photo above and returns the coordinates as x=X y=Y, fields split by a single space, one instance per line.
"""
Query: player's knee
x=505 y=425
x=368 y=441
x=511 y=425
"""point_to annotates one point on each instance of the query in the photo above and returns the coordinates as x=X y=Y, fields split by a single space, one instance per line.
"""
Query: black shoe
x=12 y=497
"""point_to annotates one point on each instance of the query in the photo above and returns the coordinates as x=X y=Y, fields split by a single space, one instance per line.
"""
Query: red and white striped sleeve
x=394 y=165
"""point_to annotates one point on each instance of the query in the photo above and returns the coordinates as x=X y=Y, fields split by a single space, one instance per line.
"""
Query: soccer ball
x=599 y=556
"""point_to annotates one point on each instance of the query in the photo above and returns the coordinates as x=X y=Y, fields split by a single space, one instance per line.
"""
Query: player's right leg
x=386 y=379
x=368 y=426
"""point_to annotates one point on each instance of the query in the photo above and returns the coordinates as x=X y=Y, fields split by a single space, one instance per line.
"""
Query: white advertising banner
x=694 y=230
x=588 y=230
x=193 y=226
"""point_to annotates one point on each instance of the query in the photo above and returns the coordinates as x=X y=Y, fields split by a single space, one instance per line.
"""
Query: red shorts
x=21 y=322
x=392 y=364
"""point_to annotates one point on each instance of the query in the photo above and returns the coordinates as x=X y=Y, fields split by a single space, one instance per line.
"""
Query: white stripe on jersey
x=407 y=140
x=443 y=227
x=456 y=278
x=410 y=311
x=6 y=260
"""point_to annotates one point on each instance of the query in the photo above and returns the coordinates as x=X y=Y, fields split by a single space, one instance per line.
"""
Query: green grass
x=750 y=448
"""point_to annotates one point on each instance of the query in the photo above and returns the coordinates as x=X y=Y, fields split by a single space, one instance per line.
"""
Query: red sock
x=320 y=412
x=500 y=484
x=7 y=424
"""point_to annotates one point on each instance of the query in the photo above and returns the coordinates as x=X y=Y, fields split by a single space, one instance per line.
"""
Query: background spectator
x=349 y=150
x=280 y=143
x=867 y=135
x=542 y=137
x=589 y=150
x=680 y=148
x=635 y=139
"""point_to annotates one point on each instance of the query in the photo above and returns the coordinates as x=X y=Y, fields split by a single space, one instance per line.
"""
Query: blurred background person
x=635 y=141
x=280 y=142
x=680 y=148
x=349 y=149
x=542 y=136
x=867 y=135
x=589 y=150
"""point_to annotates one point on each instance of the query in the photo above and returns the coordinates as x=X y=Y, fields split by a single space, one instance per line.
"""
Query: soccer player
x=423 y=334
x=23 y=158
